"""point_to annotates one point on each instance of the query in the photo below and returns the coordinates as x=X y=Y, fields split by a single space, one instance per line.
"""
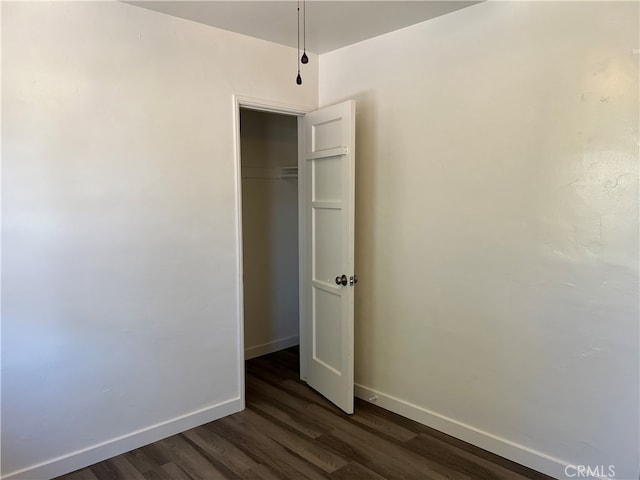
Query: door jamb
x=263 y=105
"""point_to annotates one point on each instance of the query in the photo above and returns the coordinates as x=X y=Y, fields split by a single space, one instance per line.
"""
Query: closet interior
x=269 y=159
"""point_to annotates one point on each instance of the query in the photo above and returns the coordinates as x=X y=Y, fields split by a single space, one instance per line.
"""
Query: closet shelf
x=289 y=172
x=270 y=173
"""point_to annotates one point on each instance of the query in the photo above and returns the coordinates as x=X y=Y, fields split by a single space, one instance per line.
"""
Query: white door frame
x=263 y=105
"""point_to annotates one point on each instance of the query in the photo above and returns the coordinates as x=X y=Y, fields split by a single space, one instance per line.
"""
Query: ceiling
x=330 y=24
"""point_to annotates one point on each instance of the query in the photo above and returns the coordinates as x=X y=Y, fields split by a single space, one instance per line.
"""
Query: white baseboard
x=102 y=451
x=265 y=348
x=500 y=446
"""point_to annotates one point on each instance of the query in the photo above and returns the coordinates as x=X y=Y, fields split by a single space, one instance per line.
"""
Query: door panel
x=327 y=184
x=326 y=135
x=326 y=245
x=327 y=170
x=326 y=329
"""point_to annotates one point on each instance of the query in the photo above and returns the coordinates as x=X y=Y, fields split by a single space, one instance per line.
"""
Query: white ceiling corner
x=330 y=24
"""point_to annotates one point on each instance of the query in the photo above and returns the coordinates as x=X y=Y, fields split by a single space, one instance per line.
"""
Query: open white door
x=327 y=277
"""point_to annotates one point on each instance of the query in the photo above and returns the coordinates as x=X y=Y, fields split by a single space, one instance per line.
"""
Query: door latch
x=342 y=280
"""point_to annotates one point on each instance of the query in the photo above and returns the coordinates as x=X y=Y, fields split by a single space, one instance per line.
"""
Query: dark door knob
x=342 y=280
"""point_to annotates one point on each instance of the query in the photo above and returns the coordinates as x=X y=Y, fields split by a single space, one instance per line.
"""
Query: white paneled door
x=327 y=277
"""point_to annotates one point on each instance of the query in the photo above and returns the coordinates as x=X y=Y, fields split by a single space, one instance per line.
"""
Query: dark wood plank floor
x=288 y=431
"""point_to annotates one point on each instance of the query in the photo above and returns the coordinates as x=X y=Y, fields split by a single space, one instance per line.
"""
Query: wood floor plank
x=313 y=453
x=141 y=460
x=304 y=391
x=260 y=472
x=175 y=472
x=429 y=432
x=292 y=418
x=178 y=451
x=84 y=474
x=257 y=386
x=159 y=473
x=116 y=468
x=216 y=446
x=378 y=458
x=271 y=370
x=264 y=375
x=383 y=425
x=265 y=450
x=289 y=431
x=355 y=471
x=377 y=448
x=454 y=457
x=288 y=359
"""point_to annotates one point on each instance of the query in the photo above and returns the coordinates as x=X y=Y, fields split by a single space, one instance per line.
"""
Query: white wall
x=119 y=303
x=270 y=232
x=497 y=226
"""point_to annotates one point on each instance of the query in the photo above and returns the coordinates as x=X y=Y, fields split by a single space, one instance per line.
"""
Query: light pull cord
x=298 y=78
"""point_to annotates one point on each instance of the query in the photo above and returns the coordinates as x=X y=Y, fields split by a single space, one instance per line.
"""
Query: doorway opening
x=269 y=196
x=296 y=239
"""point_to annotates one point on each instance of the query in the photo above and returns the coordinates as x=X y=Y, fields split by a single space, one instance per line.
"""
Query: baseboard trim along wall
x=265 y=348
x=102 y=451
x=500 y=446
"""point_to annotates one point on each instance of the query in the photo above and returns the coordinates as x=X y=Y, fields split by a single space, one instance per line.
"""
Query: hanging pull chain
x=298 y=78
